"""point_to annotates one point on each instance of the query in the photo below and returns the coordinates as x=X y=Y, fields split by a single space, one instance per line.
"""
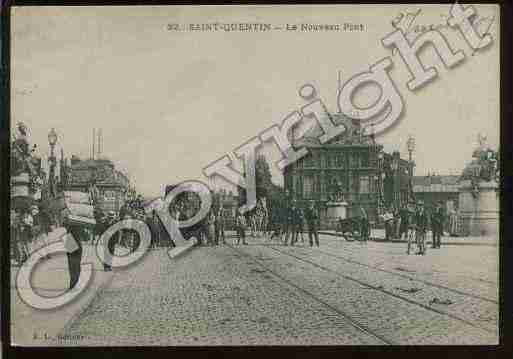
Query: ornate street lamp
x=52 y=141
x=394 y=166
x=411 y=147
x=380 y=177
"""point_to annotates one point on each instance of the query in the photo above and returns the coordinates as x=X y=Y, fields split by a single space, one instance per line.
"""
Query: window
x=327 y=157
x=109 y=195
x=298 y=186
x=330 y=181
x=345 y=183
x=308 y=186
x=341 y=159
x=353 y=158
x=365 y=159
x=364 y=184
x=356 y=183
x=317 y=184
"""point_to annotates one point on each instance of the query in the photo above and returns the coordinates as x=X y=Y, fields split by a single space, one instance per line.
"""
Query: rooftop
x=447 y=183
x=91 y=163
x=350 y=137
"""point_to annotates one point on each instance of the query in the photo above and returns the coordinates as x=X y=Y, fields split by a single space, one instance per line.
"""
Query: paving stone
x=256 y=295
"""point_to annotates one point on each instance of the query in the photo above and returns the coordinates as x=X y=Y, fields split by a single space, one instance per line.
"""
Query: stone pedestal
x=479 y=216
x=335 y=211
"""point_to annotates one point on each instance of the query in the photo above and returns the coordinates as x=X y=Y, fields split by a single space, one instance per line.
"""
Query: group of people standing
x=412 y=223
x=288 y=223
x=285 y=222
x=27 y=227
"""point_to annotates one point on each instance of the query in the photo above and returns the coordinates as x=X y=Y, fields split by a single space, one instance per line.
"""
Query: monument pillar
x=479 y=211
x=335 y=211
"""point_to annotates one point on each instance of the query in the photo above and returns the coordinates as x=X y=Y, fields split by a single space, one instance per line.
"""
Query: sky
x=169 y=103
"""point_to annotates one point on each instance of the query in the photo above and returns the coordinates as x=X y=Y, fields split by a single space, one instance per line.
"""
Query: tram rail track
x=385 y=252
x=382 y=290
x=457 y=291
x=362 y=328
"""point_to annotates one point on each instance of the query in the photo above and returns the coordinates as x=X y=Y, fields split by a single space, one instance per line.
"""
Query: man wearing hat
x=421 y=223
x=312 y=223
x=437 y=221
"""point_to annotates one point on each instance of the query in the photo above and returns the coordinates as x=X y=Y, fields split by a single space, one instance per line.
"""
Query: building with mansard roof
x=351 y=168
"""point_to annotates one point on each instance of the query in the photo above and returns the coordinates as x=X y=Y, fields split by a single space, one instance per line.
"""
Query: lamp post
x=411 y=147
x=380 y=177
x=52 y=140
x=396 y=187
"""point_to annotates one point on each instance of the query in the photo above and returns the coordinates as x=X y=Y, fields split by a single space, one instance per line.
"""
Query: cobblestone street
x=343 y=293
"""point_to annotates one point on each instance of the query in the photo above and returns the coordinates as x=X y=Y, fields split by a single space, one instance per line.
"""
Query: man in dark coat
x=312 y=222
x=404 y=214
x=364 y=224
x=288 y=221
x=437 y=222
x=295 y=222
x=421 y=223
x=220 y=225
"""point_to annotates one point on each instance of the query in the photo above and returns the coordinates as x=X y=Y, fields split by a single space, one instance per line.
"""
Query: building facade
x=113 y=186
x=351 y=168
x=433 y=189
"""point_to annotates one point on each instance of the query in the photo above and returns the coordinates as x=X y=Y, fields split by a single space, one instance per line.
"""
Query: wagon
x=349 y=228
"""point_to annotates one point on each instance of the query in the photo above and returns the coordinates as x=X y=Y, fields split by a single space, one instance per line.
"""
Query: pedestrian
x=41 y=227
x=210 y=228
x=300 y=224
x=437 y=221
x=389 y=219
x=25 y=235
x=397 y=222
x=364 y=224
x=421 y=224
x=296 y=223
x=221 y=219
x=240 y=228
x=410 y=225
x=453 y=223
x=18 y=246
x=403 y=221
x=288 y=221
x=312 y=222
x=275 y=222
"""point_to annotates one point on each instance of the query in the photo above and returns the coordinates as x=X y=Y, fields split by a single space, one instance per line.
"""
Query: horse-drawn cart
x=350 y=228
x=350 y=221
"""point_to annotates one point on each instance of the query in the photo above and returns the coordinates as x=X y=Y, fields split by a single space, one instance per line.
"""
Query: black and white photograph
x=259 y=175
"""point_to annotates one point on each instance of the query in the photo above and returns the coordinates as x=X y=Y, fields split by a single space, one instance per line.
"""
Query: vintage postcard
x=255 y=175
